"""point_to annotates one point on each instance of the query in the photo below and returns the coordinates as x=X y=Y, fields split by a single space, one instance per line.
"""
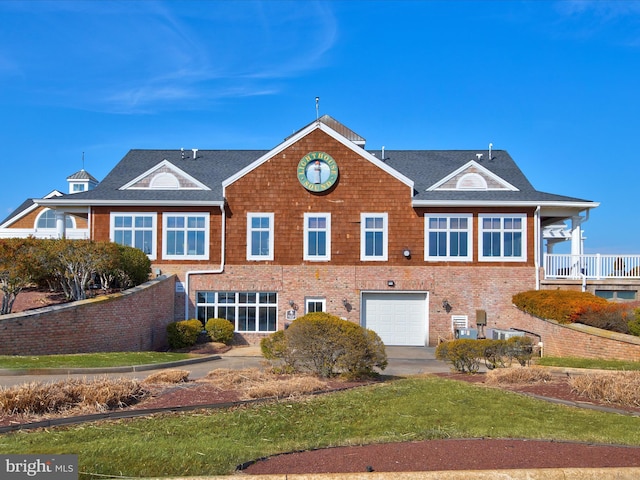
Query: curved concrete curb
x=625 y=473
x=123 y=369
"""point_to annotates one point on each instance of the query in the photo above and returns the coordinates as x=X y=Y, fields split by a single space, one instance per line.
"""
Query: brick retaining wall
x=133 y=320
x=577 y=340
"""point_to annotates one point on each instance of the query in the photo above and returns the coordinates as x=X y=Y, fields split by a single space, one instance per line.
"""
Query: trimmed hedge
x=220 y=330
x=184 y=333
x=564 y=306
x=327 y=346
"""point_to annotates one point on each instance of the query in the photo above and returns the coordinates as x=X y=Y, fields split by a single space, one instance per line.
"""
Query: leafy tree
x=15 y=273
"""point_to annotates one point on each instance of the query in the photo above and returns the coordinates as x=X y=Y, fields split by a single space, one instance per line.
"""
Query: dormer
x=81 y=182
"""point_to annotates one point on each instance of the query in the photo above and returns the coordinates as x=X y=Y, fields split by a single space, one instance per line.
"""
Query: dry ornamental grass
x=621 y=388
x=517 y=376
x=254 y=383
x=100 y=394
x=168 y=376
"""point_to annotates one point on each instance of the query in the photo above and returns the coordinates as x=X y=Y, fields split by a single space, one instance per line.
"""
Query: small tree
x=15 y=269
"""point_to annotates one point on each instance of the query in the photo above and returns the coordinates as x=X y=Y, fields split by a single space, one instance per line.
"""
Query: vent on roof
x=195 y=152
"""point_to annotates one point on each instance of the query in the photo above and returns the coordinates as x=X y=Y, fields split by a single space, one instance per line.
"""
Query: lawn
x=89 y=360
x=215 y=442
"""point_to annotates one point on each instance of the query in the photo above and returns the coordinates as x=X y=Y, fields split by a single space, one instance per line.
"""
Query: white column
x=60 y=224
x=576 y=245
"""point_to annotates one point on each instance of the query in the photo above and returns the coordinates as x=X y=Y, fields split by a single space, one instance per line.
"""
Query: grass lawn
x=89 y=360
x=588 y=363
x=215 y=442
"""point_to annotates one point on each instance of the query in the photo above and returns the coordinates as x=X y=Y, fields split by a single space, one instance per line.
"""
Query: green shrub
x=184 y=333
x=466 y=354
x=220 y=330
x=564 y=306
x=135 y=266
x=614 y=317
x=634 y=323
x=274 y=349
x=520 y=349
x=327 y=346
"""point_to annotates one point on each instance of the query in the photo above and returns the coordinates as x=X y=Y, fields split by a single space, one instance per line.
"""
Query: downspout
x=220 y=269
x=537 y=245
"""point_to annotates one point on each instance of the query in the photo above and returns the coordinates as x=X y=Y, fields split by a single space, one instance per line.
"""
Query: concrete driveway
x=402 y=361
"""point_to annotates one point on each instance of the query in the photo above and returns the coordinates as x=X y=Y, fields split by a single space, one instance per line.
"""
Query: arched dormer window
x=164 y=180
x=47 y=219
x=471 y=181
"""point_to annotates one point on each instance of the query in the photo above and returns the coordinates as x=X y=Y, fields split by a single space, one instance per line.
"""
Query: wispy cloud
x=619 y=21
x=139 y=57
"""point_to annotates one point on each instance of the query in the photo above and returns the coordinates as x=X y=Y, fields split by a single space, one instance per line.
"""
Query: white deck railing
x=593 y=266
x=71 y=233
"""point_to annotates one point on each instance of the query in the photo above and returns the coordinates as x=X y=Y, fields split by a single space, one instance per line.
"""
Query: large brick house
x=409 y=243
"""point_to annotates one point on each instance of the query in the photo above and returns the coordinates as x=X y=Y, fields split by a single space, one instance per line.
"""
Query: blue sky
x=555 y=83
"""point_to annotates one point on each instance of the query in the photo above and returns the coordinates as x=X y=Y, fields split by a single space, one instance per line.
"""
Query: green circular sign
x=317 y=171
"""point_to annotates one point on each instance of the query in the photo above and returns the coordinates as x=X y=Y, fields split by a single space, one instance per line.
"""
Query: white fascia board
x=498 y=203
x=304 y=132
x=484 y=170
x=119 y=203
x=20 y=215
x=170 y=166
x=271 y=153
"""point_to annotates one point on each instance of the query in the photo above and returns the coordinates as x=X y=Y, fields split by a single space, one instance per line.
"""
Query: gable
x=472 y=177
x=300 y=135
x=164 y=176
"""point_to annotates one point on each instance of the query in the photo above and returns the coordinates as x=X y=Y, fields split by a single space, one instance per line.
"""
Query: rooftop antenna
x=317 y=107
x=82 y=160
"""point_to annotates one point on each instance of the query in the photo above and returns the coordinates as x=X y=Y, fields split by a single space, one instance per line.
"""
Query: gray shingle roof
x=212 y=167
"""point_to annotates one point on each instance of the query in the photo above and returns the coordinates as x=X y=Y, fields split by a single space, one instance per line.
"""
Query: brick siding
x=576 y=340
x=133 y=320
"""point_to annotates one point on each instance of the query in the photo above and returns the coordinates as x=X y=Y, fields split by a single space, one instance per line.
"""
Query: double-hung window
x=136 y=230
x=260 y=236
x=317 y=237
x=448 y=237
x=312 y=304
x=502 y=237
x=185 y=236
x=373 y=236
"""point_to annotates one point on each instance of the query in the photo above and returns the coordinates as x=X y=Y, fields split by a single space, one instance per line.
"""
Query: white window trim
x=385 y=237
x=502 y=258
x=306 y=255
x=448 y=258
x=166 y=216
x=250 y=216
x=309 y=300
x=154 y=235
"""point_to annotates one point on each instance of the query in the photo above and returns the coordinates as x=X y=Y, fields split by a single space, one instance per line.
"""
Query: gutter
x=537 y=245
x=220 y=269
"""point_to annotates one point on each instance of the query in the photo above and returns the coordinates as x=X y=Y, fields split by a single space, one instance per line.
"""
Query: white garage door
x=398 y=318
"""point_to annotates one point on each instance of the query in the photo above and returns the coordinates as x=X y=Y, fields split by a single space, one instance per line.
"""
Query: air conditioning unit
x=471 y=333
x=499 y=334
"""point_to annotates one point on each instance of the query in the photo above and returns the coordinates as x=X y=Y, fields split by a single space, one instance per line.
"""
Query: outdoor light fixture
x=391 y=283
x=293 y=305
x=345 y=302
x=406 y=252
x=446 y=305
